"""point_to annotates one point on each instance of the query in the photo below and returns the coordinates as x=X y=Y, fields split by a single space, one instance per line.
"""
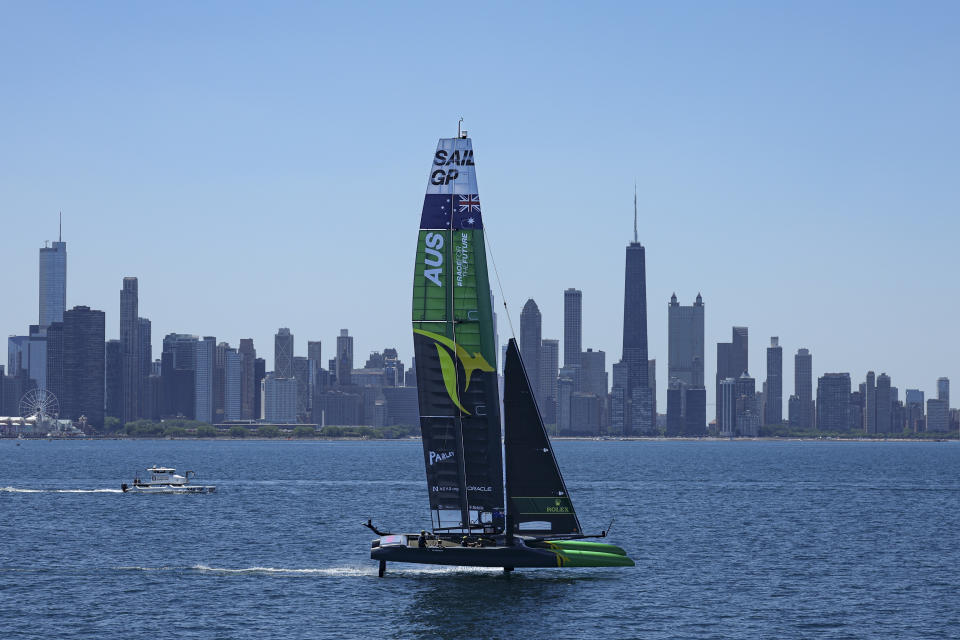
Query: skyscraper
x=652 y=385
x=344 y=358
x=113 y=391
x=695 y=404
x=259 y=374
x=833 y=402
x=37 y=349
x=549 y=370
x=726 y=407
x=220 y=382
x=530 y=344
x=685 y=370
x=54 y=357
x=303 y=373
x=773 y=412
x=315 y=353
x=803 y=390
x=685 y=337
x=870 y=404
x=144 y=330
x=280 y=400
x=747 y=417
x=593 y=373
x=248 y=387
x=572 y=327
x=884 y=404
x=18 y=354
x=639 y=401
x=83 y=365
x=130 y=349
x=178 y=371
x=203 y=379
x=53 y=283
x=731 y=363
x=283 y=353
x=943 y=390
x=938 y=415
x=232 y=375
x=738 y=352
x=913 y=407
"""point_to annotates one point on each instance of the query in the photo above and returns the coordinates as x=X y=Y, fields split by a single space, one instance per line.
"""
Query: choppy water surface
x=731 y=539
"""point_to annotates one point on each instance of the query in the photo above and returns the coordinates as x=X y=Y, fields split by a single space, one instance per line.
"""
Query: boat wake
x=330 y=572
x=20 y=490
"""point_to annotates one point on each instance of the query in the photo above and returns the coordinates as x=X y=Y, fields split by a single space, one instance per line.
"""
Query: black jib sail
x=537 y=498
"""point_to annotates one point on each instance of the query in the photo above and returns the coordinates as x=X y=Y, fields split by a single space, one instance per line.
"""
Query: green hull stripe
x=591 y=559
x=583 y=545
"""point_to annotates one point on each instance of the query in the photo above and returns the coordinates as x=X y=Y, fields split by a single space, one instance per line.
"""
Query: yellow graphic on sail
x=470 y=363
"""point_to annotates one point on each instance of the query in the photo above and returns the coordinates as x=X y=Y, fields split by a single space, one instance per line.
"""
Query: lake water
x=731 y=540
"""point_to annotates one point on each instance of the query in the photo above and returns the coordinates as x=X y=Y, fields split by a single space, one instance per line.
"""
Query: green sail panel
x=454 y=347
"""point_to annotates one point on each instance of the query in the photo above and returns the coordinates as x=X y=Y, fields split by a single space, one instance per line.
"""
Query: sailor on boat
x=497 y=498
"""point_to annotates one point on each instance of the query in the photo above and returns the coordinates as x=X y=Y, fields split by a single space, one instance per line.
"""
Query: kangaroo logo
x=470 y=363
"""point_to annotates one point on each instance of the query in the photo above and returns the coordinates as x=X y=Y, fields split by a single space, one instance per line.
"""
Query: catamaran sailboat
x=497 y=499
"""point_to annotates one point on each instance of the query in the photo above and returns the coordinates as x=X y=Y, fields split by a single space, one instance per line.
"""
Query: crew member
x=422 y=539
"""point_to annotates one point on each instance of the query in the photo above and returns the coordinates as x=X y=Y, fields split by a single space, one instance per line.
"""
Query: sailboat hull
x=403 y=548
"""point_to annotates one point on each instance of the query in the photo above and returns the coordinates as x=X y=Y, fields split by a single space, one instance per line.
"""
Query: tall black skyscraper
x=344 y=359
x=55 y=359
x=130 y=349
x=83 y=365
x=249 y=389
x=885 y=399
x=802 y=407
x=773 y=412
x=572 y=327
x=144 y=330
x=638 y=397
x=870 y=403
x=114 y=380
x=531 y=328
x=738 y=352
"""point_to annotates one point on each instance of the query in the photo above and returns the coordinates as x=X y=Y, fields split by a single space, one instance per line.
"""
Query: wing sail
x=454 y=348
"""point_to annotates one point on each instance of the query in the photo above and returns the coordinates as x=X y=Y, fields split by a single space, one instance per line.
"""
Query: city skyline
x=774 y=172
x=138 y=359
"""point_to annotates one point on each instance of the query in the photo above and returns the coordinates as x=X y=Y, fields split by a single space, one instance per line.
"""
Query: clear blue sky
x=260 y=165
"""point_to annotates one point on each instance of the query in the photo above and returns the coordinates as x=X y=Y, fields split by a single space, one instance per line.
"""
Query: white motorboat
x=166 y=480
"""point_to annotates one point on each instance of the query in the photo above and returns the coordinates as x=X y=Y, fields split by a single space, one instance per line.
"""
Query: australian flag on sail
x=439 y=207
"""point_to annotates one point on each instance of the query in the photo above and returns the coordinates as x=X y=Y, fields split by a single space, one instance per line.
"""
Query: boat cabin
x=165 y=475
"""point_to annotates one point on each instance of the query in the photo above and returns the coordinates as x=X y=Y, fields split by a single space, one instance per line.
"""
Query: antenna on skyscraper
x=61 y=226
x=635 y=212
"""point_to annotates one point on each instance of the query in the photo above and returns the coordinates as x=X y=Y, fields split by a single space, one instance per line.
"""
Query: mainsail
x=537 y=498
x=454 y=349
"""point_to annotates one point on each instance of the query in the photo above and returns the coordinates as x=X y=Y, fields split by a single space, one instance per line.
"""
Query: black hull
x=497 y=556
x=499 y=551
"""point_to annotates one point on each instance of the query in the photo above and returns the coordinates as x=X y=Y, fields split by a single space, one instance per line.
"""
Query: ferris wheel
x=39 y=404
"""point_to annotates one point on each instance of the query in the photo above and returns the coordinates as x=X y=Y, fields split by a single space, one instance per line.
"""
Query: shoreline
x=946 y=438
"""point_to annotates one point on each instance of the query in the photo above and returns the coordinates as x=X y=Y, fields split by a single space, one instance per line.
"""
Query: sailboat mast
x=461 y=452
